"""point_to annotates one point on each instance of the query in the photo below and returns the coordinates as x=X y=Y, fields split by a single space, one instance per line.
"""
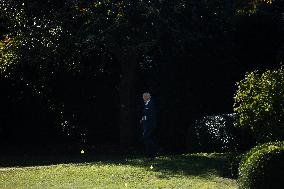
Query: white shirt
x=146 y=103
x=144 y=117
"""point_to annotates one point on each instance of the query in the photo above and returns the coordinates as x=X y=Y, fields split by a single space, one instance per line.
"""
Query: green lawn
x=198 y=171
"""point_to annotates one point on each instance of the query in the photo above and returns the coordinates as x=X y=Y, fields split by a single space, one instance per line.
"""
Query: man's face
x=146 y=97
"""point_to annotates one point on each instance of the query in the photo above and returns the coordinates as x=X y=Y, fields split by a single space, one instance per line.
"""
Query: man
x=148 y=122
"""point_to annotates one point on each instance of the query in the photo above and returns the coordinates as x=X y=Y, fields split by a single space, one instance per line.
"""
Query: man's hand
x=143 y=119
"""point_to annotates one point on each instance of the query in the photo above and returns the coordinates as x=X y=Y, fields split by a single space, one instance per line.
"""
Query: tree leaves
x=259 y=102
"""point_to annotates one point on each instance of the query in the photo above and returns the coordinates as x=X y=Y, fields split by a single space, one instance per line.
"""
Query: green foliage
x=217 y=133
x=262 y=167
x=259 y=103
x=234 y=160
x=253 y=6
x=8 y=56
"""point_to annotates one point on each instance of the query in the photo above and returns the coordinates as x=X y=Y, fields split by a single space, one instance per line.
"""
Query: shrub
x=234 y=161
x=259 y=104
x=217 y=133
x=262 y=167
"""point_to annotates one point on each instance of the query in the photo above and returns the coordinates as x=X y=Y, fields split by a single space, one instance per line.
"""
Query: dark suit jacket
x=150 y=112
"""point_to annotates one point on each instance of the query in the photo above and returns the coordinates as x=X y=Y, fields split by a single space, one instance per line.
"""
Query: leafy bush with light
x=217 y=133
x=262 y=167
x=259 y=104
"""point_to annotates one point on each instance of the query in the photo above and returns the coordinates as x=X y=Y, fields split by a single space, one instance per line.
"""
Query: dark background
x=190 y=74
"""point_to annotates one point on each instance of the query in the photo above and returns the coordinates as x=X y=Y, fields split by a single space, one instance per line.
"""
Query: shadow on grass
x=203 y=165
x=191 y=164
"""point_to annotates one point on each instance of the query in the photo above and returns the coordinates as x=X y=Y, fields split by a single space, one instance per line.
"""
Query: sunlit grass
x=181 y=171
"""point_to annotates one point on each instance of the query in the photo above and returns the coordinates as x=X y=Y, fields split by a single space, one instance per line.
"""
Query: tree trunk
x=128 y=62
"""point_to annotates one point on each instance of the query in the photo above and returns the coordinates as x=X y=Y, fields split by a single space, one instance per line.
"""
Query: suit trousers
x=148 y=140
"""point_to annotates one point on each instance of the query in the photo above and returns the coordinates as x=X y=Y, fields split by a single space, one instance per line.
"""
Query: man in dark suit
x=148 y=122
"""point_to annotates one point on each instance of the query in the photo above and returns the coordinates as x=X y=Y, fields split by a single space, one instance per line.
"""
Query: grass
x=198 y=171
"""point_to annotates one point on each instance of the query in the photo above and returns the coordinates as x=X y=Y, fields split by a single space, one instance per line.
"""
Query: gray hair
x=147 y=94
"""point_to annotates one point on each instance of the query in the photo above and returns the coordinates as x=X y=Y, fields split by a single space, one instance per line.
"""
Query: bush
x=234 y=160
x=259 y=104
x=219 y=134
x=262 y=167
